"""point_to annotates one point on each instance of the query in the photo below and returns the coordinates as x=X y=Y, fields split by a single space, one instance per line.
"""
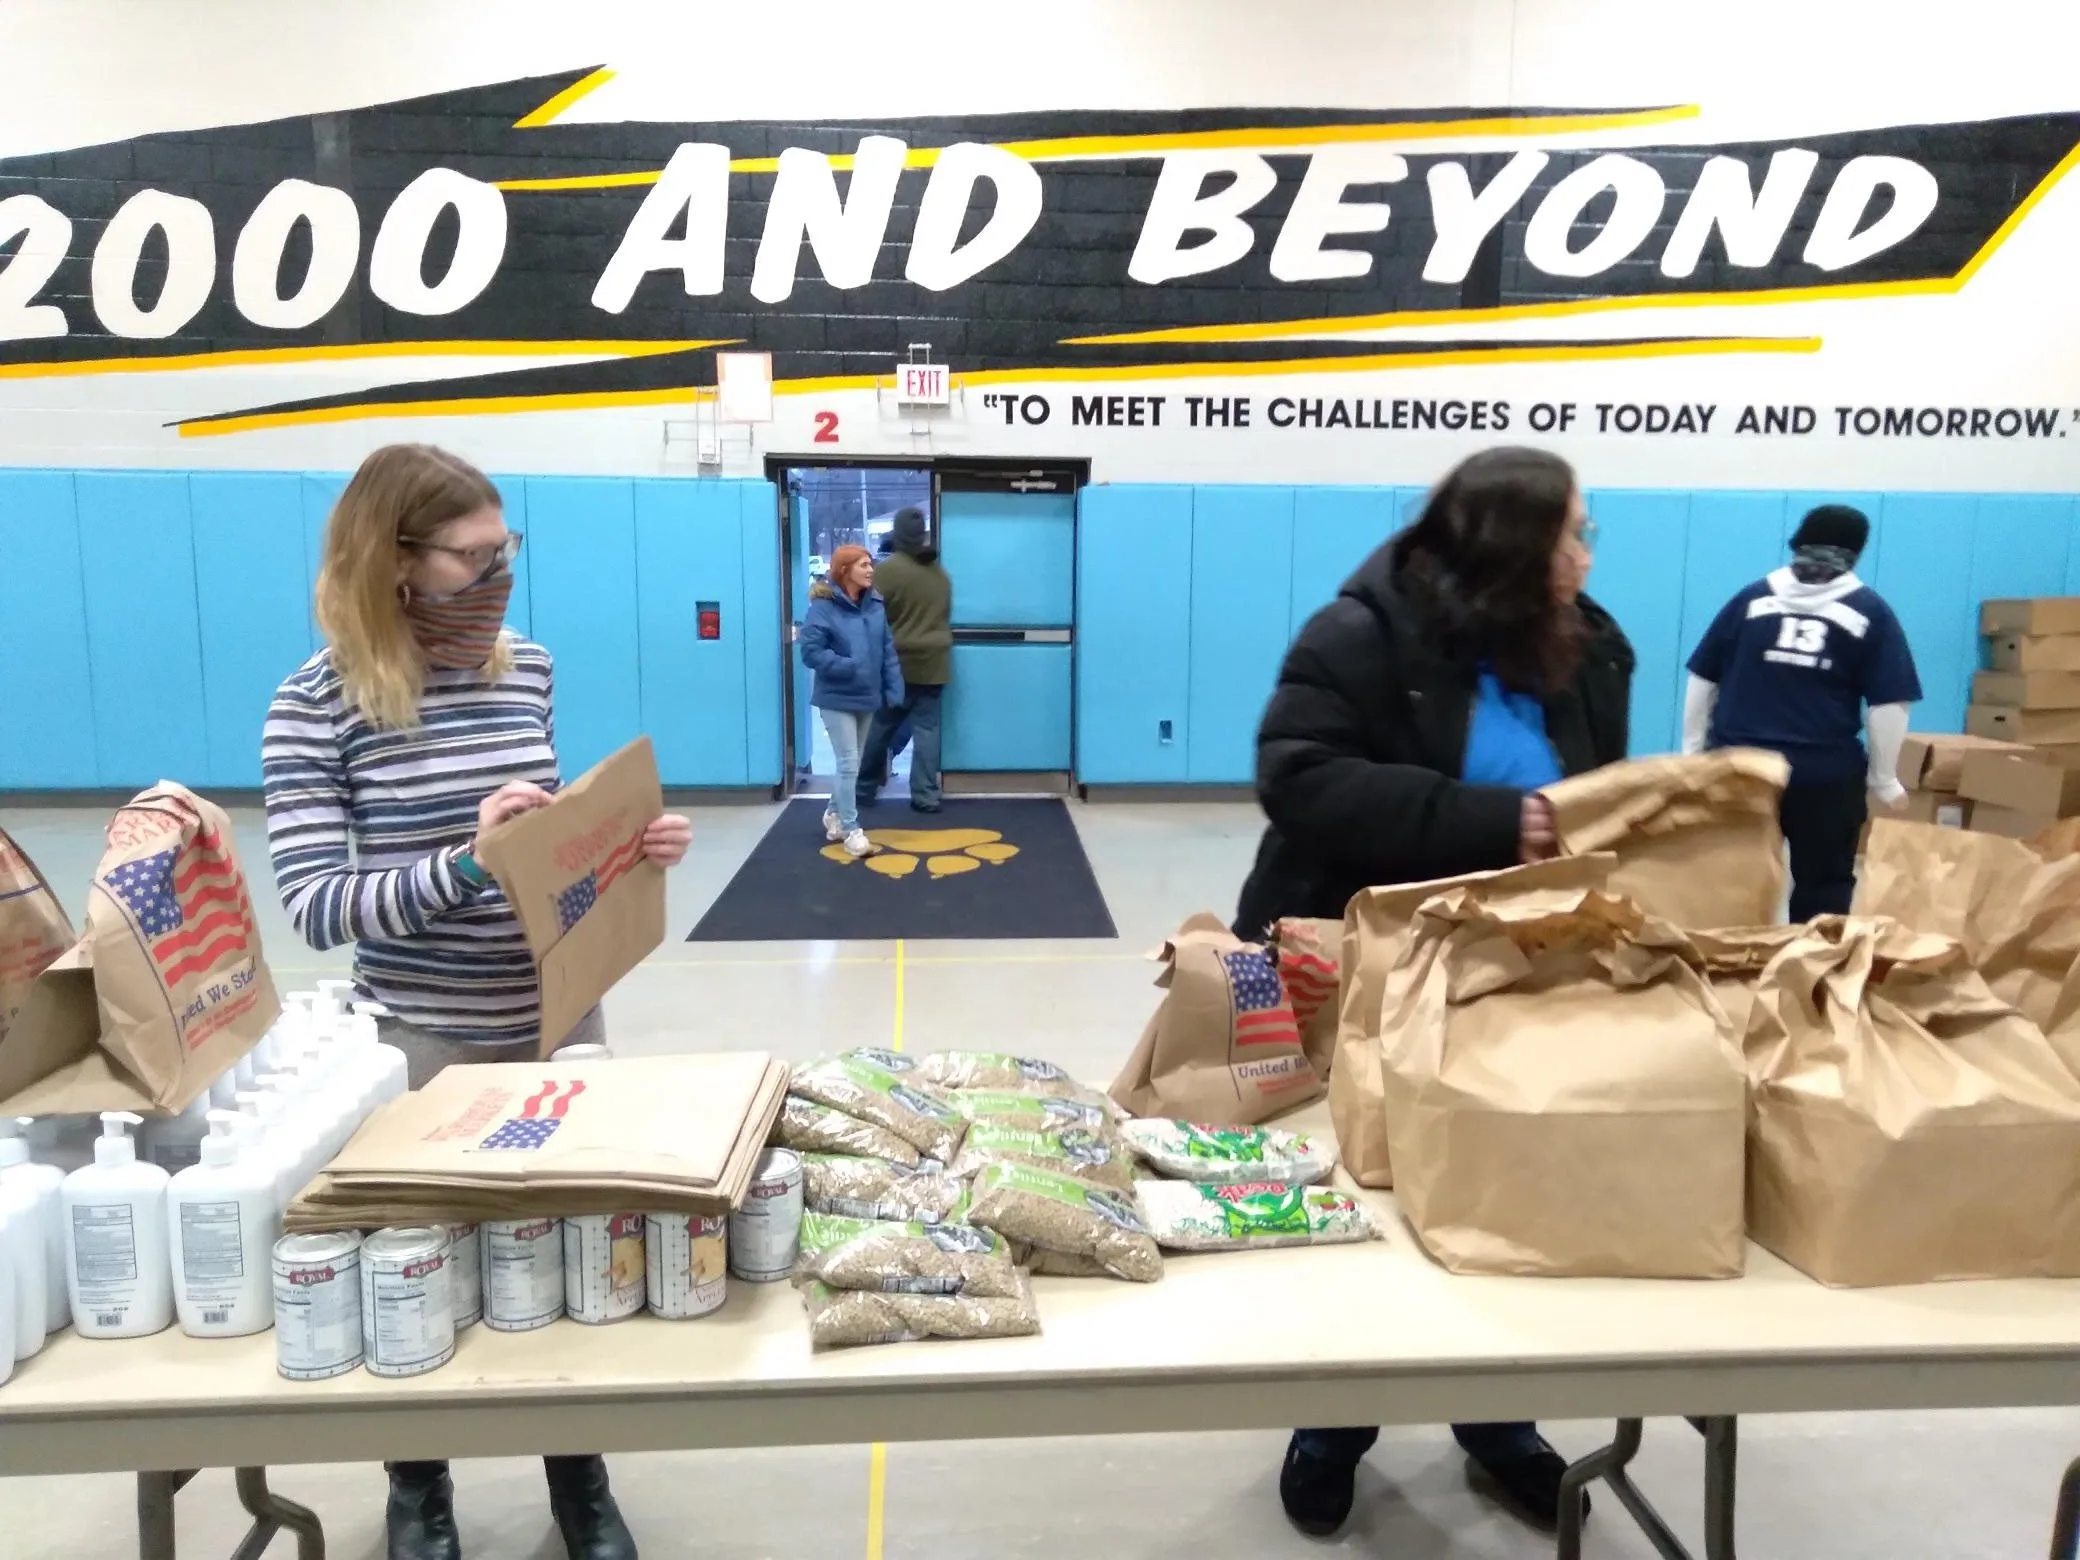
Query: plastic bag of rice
x=1193 y=1151
x=1034 y=1112
x=807 y=1126
x=840 y=1317
x=917 y=1259
x=1057 y=1213
x=1077 y=1151
x=1193 y=1216
x=958 y=1070
x=859 y=1188
x=865 y=1089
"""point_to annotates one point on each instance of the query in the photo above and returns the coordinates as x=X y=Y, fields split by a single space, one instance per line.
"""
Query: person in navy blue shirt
x=1804 y=663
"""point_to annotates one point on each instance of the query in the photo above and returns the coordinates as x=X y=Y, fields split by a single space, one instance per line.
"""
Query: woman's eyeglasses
x=1585 y=533
x=479 y=560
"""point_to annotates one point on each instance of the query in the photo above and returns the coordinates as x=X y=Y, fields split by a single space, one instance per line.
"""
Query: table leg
x=1611 y=1465
x=2065 y=1527
x=271 y=1514
x=155 y=1492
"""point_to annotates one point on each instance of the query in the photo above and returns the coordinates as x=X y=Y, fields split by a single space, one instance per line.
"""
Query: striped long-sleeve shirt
x=364 y=826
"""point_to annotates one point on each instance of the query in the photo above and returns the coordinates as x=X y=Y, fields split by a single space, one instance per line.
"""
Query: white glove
x=1889 y=793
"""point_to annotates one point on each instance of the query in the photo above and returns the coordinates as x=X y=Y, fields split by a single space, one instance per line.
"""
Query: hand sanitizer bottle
x=21 y=1237
x=221 y=1226
x=116 y=1260
x=41 y=1182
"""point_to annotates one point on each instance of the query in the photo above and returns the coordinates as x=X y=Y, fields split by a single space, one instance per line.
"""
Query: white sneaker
x=832 y=829
x=857 y=844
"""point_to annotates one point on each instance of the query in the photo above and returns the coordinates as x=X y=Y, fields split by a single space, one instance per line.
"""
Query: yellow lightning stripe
x=260 y=357
x=552 y=110
x=1291 y=137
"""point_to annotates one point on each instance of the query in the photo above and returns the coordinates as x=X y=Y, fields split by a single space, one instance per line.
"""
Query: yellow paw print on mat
x=943 y=852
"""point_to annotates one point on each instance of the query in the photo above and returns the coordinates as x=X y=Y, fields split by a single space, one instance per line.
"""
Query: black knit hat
x=1834 y=525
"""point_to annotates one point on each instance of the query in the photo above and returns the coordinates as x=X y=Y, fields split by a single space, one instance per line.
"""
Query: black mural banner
x=223 y=259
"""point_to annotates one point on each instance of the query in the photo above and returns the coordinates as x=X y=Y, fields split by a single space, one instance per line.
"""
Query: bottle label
x=104 y=1247
x=212 y=1251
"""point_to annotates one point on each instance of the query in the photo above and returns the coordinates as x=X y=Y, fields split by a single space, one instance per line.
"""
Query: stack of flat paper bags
x=510 y=1140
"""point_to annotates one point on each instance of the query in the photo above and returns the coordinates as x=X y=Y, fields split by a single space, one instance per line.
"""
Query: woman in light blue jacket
x=846 y=643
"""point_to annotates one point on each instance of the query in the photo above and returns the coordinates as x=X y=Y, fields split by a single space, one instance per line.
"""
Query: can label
x=523 y=1274
x=466 y=1282
x=317 y=1316
x=765 y=1234
x=687 y=1272
x=603 y=1266
x=407 y=1314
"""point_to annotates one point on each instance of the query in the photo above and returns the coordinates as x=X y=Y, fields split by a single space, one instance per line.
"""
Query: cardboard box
x=1945 y=809
x=2028 y=690
x=1933 y=760
x=2010 y=822
x=2032 y=615
x=2033 y=728
x=2025 y=782
x=2034 y=652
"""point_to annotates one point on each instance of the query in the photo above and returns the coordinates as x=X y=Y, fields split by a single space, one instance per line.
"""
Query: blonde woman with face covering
x=422 y=723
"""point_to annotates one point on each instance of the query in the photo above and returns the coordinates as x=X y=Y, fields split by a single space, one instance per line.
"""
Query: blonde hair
x=403 y=493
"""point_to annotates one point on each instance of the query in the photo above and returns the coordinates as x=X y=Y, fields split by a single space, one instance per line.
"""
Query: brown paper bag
x=1909 y=1125
x=1733 y=959
x=1377 y=926
x=2015 y=910
x=590 y=903
x=166 y=987
x=34 y=929
x=1562 y=1095
x=1696 y=837
x=1309 y=955
x=1224 y=1045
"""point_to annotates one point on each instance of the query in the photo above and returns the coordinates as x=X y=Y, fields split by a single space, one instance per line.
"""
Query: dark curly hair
x=1477 y=565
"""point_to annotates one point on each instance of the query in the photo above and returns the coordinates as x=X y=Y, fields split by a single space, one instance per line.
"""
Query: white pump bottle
x=21 y=1237
x=221 y=1226
x=116 y=1260
x=18 y=1171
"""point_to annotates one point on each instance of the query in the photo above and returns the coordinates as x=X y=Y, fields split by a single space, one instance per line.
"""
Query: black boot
x=420 y=1520
x=1316 y=1492
x=585 y=1511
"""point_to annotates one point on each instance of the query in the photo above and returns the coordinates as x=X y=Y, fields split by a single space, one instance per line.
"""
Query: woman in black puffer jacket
x=1414 y=721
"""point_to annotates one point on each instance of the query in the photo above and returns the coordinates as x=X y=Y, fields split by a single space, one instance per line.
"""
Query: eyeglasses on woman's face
x=480 y=560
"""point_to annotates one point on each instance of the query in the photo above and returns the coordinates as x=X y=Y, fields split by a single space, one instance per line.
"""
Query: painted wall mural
x=1570 y=269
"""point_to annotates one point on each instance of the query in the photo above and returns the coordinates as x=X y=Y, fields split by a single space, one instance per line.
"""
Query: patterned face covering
x=456 y=633
x=1816 y=564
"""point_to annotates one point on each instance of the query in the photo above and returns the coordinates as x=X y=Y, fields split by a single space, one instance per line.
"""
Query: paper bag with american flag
x=164 y=990
x=589 y=901
x=1225 y=1045
x=33 y=929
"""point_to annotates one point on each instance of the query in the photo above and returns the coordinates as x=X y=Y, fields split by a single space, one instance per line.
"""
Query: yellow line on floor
x=897 y=1043
x=877 y=1497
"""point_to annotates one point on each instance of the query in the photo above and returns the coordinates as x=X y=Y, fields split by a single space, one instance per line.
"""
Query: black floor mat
x=981 y=868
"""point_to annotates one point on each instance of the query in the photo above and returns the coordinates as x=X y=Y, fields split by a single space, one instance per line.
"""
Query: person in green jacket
x=919 y=595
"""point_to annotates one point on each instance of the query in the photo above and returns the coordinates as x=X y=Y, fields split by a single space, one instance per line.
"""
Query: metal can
x=523 y=1273
x=317 y=1305
x=465 y=1274
x=603 y=1267
x=584 y=1051
x=687 y=1264
x=765 y=1233
x=407 y=1313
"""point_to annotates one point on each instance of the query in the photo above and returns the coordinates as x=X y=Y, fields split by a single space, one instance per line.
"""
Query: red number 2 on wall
x=826 y=427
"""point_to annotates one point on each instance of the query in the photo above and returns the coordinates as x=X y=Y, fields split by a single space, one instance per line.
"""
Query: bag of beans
x=874 y=1093
x=918 y=1259
x=856 y=1187
x=807 y=1127
x=1034 y=1112
x=1073 y=1151
x=842 y=1317
x=1072 y=1218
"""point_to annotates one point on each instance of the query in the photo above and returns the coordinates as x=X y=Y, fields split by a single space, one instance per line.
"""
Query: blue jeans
x=848 y=732
x=1485 y=1444
x=920 y=707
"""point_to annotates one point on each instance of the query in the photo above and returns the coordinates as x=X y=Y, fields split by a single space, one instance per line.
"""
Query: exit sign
x=923 y=384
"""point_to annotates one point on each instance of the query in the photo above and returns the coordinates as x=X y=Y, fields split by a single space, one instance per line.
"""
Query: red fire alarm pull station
x=708 y=614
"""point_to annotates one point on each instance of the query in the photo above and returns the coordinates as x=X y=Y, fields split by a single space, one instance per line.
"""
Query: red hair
x=844 y=560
